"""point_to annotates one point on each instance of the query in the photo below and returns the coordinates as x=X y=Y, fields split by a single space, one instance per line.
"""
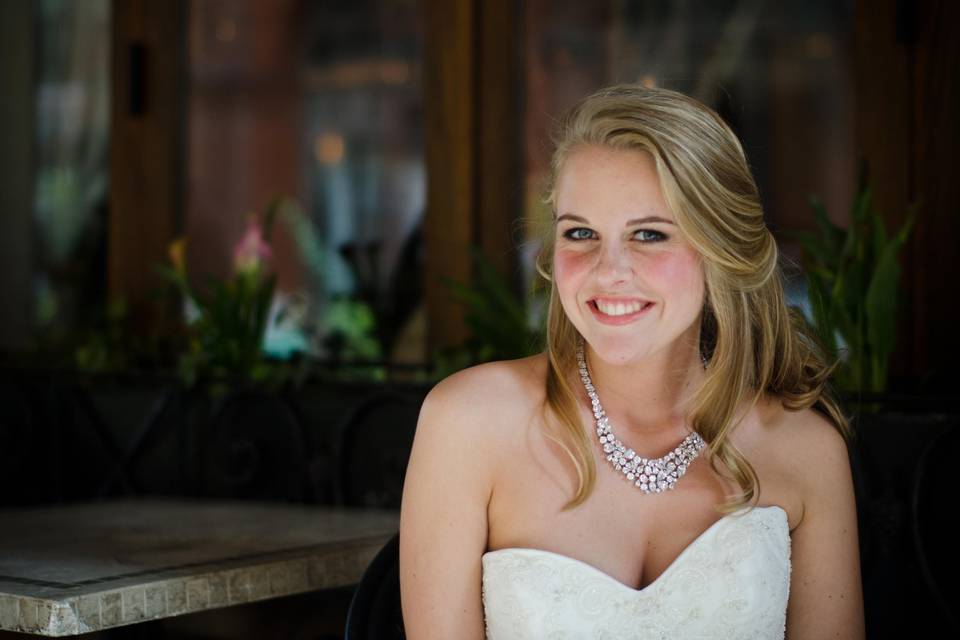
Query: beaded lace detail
x=732 y=582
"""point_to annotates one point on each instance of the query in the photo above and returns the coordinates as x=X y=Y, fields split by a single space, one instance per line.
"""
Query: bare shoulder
x=480 y=402
x=492 y=386
x=812 y=456
x=503 y=377
x=457 y=452
x=805 y=445
x=805 y=433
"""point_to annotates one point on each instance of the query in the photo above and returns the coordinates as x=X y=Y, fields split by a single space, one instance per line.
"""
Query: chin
x=618 y=350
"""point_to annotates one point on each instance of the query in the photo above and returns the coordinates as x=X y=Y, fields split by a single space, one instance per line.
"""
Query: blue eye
x=578 y=233
x=649 y=235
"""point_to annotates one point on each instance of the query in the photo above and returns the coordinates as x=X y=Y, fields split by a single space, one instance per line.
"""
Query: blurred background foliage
x=853 y=276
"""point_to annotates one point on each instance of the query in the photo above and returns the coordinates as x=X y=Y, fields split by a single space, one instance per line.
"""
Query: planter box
x=67 y=439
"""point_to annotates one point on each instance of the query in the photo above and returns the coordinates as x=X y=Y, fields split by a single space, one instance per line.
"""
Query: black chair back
x=935 y=523
x=375 y=612
x=375 y=442
x=254 y=448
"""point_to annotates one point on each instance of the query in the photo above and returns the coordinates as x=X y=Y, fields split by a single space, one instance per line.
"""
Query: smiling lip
x=622 y=319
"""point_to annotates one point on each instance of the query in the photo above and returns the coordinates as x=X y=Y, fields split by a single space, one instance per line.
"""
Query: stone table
x=71 y=569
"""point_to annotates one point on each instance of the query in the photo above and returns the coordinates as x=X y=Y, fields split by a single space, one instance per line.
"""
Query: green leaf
x=881 y=302
x=862 y=206
x=479 y=305
x=463 y=293
x=900 y=238
x=881 y=297
x=501 y=295
x=262 y=315
x=822 y=311
x=831 y=235
x=815 y=251
x=879 y=235
x=853 y=287
x=266 y=224
x=496 y=317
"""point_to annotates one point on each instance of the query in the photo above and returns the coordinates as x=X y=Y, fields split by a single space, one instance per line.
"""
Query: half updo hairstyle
x=752 y=342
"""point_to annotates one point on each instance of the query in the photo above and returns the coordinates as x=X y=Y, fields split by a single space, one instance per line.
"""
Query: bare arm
x=443 y=520
x=826 y=599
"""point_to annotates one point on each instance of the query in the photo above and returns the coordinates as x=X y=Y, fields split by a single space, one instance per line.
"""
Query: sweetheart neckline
x=730 y=517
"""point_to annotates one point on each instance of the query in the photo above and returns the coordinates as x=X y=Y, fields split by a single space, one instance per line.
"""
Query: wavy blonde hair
x=753 y=342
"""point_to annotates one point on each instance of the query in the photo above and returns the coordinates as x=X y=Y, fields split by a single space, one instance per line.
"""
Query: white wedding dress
x=731 y=582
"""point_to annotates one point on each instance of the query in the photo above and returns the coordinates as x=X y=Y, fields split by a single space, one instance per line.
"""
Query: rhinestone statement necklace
x=650 y=475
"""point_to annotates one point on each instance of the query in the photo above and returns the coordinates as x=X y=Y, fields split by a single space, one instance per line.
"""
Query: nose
x=614 y=265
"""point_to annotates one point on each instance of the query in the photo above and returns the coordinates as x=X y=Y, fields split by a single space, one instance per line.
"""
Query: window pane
x=780 y=73
x=72 y=98
x=320 y=101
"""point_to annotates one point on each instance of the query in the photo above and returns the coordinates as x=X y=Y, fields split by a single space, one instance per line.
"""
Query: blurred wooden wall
x=908 y=104
x=147 y=136
x=907 y=101
x=473 y=72
x=17 y=162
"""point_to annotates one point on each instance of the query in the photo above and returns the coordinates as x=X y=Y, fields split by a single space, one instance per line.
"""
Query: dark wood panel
x=146 y=148
x=449 y=111
x=500 y=180
x=17 y=161
x=907 y=101
x=937 y=187
x=472 y=97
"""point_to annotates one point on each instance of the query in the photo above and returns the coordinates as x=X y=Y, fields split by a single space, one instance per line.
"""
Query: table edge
x=206 y=587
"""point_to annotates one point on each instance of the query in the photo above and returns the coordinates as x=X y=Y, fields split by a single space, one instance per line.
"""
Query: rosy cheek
x=569 y=266
x=675 y=269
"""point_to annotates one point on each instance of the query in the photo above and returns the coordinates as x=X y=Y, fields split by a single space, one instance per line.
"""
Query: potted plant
x=853 y=283
x=501 y=323
x=228 y=319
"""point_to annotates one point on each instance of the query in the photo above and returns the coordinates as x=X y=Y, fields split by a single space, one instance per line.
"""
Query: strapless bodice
x=731 y=582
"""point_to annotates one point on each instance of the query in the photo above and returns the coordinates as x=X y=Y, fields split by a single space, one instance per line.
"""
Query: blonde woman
x=672 y=466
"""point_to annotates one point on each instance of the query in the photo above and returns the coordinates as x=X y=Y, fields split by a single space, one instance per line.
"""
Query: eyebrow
x=575 y=218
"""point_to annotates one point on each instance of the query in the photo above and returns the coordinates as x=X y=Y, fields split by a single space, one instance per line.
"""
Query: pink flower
x=252 y=250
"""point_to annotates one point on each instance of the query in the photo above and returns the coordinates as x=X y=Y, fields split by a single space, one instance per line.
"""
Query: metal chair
x=375 y=612
x=375 y=442
x=935 y=523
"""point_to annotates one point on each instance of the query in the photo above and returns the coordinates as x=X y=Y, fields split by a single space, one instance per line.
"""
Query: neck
x=649 y=396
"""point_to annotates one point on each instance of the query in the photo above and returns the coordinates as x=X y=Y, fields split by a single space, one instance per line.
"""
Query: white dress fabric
x=732 y=582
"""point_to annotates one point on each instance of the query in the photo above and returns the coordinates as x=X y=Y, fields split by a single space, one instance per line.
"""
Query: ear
x=543 y=263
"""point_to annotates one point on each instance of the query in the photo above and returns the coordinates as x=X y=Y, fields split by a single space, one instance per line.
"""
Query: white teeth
x=619 y=308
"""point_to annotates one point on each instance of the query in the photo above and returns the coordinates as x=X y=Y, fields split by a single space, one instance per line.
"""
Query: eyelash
x=658 y=236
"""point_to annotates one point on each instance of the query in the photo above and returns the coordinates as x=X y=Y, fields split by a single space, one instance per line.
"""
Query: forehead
x=597 y=181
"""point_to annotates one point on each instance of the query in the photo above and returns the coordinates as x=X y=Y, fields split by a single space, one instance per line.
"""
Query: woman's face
x=628 y=280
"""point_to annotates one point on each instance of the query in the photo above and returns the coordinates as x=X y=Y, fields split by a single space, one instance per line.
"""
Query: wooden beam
x=936 y=258
x=499 y=132
x=472 y=113
x=146 y=149
x=882 y=72
x=908 y=96
x=449 y=103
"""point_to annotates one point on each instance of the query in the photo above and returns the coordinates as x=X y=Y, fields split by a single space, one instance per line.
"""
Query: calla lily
x=252 y=250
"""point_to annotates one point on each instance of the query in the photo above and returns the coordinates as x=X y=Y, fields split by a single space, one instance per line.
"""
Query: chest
x=631 y=536
x=733 y=583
